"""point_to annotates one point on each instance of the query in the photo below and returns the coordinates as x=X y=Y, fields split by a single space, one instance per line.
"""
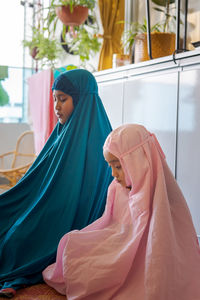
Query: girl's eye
x=118 y=167
x=63 y=99
x=60 y=99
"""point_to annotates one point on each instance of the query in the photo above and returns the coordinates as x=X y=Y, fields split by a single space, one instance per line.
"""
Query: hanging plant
x=81 y=40
x=84 y=44
x=70 y=12
x=78 y=40
x=43 y=48
x=75 y=17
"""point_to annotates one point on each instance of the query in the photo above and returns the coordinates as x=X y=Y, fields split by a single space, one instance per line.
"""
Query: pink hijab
x=144 y=247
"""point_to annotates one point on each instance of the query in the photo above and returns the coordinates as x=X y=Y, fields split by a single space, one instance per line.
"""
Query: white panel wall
x=188 y=159
x=152 y=101
x=111 y=94
x=164 y=96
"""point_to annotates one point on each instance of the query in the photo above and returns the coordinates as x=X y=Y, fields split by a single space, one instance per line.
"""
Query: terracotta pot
x=34 y=52
x=74 y=18
x=162 y=44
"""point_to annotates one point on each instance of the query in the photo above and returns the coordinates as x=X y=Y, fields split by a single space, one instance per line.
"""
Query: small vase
x=74 y=18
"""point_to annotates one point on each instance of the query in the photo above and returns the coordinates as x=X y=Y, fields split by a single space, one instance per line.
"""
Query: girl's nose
x=114 y=173
x=57 y=105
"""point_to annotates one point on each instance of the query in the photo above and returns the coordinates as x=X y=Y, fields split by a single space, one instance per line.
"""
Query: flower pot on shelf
x=75 y=17
x=162 y=44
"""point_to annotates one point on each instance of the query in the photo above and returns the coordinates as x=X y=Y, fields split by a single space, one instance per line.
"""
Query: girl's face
x=63 y=106
x=116 y=167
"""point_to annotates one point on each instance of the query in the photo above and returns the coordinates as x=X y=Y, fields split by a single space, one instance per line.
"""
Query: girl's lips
x=59 y=116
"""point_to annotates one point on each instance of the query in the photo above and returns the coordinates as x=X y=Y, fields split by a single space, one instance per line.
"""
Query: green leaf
x=163 y=2
x=159 y=9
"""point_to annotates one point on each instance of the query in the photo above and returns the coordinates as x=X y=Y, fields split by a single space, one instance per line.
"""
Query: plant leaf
x=163 y=2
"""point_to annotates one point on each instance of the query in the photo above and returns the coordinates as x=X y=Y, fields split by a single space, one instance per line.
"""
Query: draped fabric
x=64 y=189
x=111 y=12
x=144 y=247
x=41 y=106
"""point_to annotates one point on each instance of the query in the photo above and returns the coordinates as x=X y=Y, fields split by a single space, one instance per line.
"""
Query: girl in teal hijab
x=65 y=188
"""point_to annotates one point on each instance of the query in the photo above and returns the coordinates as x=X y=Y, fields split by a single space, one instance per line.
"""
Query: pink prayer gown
x=144 y=247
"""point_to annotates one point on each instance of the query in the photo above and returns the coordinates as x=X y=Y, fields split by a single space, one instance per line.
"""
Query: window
x=13 y=16
x=15 y=88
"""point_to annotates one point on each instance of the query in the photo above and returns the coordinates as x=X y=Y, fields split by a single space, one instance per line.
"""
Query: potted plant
x=82 y=40
x=162 y=38
x=43 y=48
x=79 y=33
x=70 y=12
x=73 y=12
x=136 y=30
x=78 y=38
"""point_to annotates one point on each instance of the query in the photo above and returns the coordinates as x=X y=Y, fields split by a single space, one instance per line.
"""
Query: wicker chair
x=14 y=164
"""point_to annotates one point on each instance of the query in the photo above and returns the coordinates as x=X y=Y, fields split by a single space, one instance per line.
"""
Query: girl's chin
x=61 y=121
x=124 y=186
x=121 y=183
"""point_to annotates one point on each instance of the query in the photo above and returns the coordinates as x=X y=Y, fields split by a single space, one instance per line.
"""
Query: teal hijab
x=65 y=188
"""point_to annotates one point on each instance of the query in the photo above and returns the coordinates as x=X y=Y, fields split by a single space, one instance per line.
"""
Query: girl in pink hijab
x=144 y=247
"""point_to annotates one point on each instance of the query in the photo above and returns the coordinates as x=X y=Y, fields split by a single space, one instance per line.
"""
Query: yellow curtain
x=111 y=12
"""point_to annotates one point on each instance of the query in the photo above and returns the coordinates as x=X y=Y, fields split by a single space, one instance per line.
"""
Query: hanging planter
x=33 y=52
x=43 y=48
x=72 y=17
x=75 y=39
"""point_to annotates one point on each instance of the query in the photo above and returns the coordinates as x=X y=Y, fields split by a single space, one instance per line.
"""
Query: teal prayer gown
x=64 y=189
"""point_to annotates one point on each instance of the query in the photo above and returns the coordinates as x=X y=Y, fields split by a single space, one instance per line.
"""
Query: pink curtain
x=41 y=106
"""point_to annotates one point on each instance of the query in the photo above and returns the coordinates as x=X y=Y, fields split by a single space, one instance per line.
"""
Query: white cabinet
x=111 y=94
x=152 y=101
x=164 y=96
x=188 y=148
